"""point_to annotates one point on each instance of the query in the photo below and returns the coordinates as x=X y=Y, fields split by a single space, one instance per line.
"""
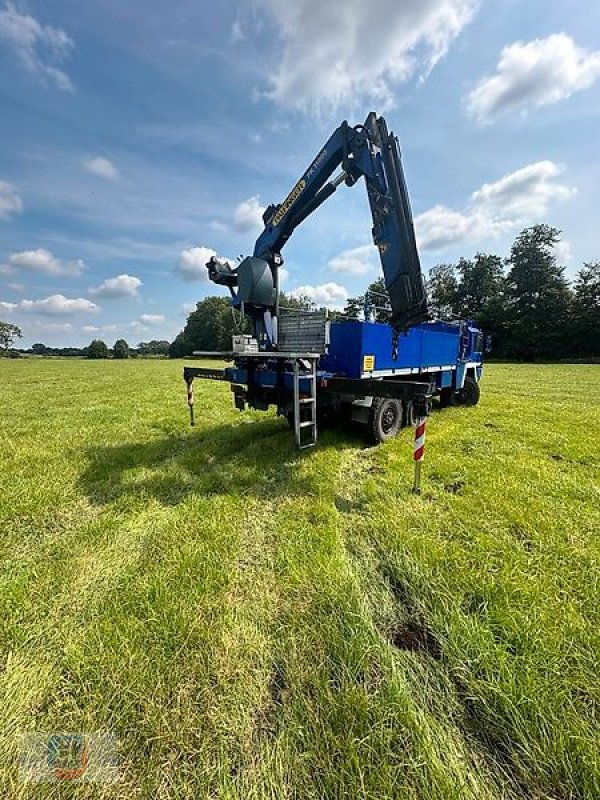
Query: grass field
x=252 y=622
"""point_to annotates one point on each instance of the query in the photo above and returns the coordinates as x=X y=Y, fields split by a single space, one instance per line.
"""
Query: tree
x=480 y=295
x=378 y=300
x=538 y=295
x=481 y=282
x=8 y=334
x=301 y=302
x=442 y=290
x=39 y=349
x=97 y=349
x=209 y=327
x=157 y=347
x=586 y=311
x=120 y=349
x=354 y=307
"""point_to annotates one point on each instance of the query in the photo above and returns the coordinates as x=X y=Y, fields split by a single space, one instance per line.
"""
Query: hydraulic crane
x=365 y=151
x=300 y=362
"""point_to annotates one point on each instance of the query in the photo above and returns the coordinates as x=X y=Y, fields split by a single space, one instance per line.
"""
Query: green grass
x=253 y=622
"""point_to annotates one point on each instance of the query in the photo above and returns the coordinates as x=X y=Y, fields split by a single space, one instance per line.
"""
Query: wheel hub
x=388 y=418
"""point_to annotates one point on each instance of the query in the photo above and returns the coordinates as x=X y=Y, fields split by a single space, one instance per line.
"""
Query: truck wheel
x=470 y=392
x=385 y=419
x=468 y=395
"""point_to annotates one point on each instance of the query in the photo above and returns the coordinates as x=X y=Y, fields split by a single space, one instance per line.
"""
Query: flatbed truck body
x=357 y=377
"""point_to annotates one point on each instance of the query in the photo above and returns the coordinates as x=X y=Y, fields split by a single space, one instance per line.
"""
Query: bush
x=97 y=349
x=121 y=349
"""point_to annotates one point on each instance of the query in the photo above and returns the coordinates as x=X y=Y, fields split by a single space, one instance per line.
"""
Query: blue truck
x=381 y=375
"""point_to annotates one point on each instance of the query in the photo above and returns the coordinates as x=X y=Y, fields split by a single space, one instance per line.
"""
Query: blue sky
x=137 y=138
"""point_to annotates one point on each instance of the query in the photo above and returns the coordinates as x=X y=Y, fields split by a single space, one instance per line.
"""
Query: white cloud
x=10 y=202
x=51 y=327
x=120 y=286
x=533 y=74
x=525 y=193
x=440 y=226
x=192 y=263
x=8 y=306
x=563 y=252
x=327 y=294
x=357 y=261
x=100 y=166
x=111 y=328
x=187 y=308
x=248 y=215
x=152 y=319
x=520 y=197
x=44 y=262
x=355 y=53
x=57 y=305
x=38 y=48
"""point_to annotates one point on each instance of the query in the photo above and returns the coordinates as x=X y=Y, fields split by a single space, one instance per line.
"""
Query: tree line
x=96 y=349
x=524 y=302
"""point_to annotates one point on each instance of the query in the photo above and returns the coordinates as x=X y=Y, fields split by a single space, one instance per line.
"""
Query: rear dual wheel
x=385 y=419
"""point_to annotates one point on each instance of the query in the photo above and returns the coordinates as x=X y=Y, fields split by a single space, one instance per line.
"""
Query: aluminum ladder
x=305 y=430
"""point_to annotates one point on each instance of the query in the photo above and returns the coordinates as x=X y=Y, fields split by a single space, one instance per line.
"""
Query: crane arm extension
x=371 y=152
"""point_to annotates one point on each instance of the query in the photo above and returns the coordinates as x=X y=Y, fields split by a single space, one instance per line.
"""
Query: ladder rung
x=306 y=400
x=307 y=423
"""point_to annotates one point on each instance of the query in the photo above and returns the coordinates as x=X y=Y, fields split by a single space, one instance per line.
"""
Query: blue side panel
x=377 y=341
x=355 y=346
x=440 y=345
x=444 y=379
x=345 y=348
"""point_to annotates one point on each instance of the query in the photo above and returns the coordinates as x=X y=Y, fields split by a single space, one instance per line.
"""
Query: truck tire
x=471 y=392
x=385 y=419
x=408 y=417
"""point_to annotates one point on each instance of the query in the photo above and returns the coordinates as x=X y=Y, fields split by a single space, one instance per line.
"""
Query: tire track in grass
x=495 y=697
x=351 y=725
x=402 y=624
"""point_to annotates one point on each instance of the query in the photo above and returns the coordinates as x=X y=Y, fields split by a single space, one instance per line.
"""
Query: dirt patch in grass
x=411 y=632
x=455 y=487
x=416 y=637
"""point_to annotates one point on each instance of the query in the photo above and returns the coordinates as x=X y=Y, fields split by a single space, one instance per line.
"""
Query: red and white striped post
x=419 y=451
x=190 y=398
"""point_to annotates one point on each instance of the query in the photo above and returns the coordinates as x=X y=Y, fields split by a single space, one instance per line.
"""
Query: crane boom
x=368 y=151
